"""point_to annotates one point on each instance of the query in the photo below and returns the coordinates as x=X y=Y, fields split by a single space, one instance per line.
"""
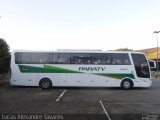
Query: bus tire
x=127 y=84
x=45 y=83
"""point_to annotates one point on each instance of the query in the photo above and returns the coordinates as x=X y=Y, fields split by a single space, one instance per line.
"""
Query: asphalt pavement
x=80 y=103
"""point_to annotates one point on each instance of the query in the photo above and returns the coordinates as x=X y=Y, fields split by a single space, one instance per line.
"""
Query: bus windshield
x=141 y=65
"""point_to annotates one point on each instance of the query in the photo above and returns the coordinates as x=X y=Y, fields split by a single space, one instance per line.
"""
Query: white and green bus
x=80 y=68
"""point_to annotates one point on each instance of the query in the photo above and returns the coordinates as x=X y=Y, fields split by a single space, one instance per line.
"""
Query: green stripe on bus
x=59 y=70
x=53 y=69
x=118 y=76
x=45 y=69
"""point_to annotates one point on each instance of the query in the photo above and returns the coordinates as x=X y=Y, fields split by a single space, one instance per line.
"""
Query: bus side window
x=18 y=58
x=126 y=62
x=120 y=59
x=64 y=58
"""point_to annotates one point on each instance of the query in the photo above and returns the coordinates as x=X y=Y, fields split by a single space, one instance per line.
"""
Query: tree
x=124 y=49
x=4 y=56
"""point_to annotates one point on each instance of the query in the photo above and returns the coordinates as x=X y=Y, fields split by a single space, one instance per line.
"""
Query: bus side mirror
x=152 y=63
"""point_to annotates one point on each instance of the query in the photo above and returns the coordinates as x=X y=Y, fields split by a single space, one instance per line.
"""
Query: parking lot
x=81 y=103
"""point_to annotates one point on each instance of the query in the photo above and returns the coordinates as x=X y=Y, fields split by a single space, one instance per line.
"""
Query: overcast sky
x=79 y=24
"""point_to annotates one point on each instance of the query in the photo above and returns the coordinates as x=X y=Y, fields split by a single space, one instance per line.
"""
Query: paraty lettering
x=92 y=68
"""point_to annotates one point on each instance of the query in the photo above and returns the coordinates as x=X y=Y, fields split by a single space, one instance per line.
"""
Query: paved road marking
x=61 y=95
x=123 y=103
x=104 y=110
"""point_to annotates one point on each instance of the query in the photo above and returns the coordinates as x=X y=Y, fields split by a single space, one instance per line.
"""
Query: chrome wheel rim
x=126 y=84
x=45 y=84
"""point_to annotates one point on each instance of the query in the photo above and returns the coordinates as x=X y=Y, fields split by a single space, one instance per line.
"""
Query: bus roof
x=77 y=51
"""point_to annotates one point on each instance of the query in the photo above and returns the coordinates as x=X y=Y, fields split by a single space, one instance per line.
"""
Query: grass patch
x=156 y=75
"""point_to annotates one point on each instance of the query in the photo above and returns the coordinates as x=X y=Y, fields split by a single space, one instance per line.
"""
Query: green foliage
x=156 y=74
x=124 y=49
x=4 y=56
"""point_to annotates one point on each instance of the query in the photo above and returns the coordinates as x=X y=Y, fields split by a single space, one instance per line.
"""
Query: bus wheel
x=127 y=84
x=45 y=83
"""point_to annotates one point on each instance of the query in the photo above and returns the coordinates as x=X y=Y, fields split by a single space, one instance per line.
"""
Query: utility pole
x=156 y=32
